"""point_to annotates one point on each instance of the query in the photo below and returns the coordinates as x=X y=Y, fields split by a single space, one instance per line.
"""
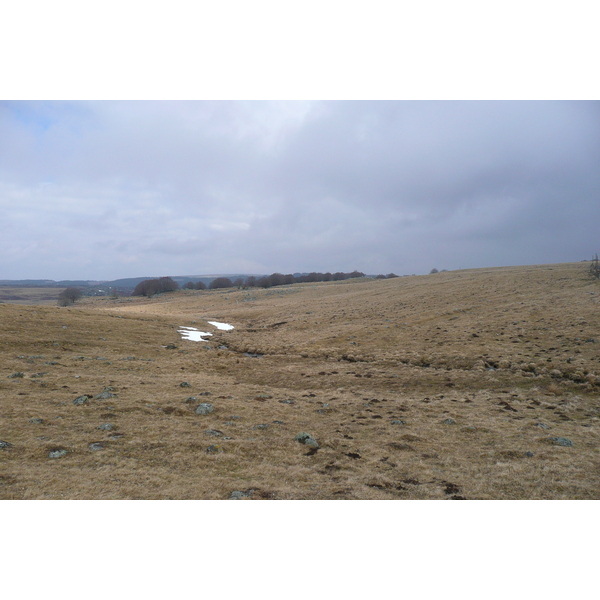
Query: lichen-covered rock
x=106 y=427
x=57 y=454
x=307 y=439
x=4 y=444
x=185 y=384
x=204 y=408
x=81 y=399
x=561 y=441
x=18 y=375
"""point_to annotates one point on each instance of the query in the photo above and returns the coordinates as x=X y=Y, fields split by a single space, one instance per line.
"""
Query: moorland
x=472 y=384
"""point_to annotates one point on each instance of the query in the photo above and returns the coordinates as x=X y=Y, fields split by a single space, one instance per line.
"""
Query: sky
x=108 y=189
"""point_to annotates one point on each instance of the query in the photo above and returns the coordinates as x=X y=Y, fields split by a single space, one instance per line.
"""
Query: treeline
x=149 y=287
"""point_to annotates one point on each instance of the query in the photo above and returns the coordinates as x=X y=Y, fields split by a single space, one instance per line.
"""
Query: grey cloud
x=190 y=187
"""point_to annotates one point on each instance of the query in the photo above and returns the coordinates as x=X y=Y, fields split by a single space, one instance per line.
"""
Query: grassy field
x=35 y=296
x=456 y=385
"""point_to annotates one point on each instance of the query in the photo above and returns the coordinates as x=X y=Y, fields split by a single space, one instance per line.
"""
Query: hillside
x=476 y=384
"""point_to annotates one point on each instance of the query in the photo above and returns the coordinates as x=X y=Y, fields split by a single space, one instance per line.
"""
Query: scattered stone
x=398 y=422
x=190 y=399
x=106 y=427
x=529 y=454
x=105 y=395
x=184 y=384
x=239 y=494
x=261 y=426
x=307 y=439
x=4 y=444
x=213 y=432
x=205 y=394
x=38 y=375
x=542 y=425
x=171 y=347
x=81 y=399
x=36 y=421
x=448 y=422
x=204 y=408
x=57 y=454
x=18 y=375
x=561 y=441
x=96 y=446
x=287 y=402
x=279 y=422
x=354 y=455
x=214 y=449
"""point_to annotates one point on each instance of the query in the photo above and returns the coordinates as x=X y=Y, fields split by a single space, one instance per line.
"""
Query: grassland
x=455 y=385
x=35 y=296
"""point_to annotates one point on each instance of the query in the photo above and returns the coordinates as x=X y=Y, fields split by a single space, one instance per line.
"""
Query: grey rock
x=279 y=422
x=529 y=454
x=261 y=426
x=185 y=384
x=239 y=494
x=36 y=421
x=57 y=454
x=398 y=422
x=213 y=432
x=106 y=427
x=561 y=441
x=81 y=400
x=307 y=439
x=542 y=425
x=96 y=446
x=105 y=395
x=205 y=394
x=449 y=422
x=204 y=408
x=4 y=444
x=287 y=402
x=171 y=347
x=18 y=375
x=191 y=399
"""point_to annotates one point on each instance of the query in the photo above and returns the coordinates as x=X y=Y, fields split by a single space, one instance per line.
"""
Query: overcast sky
x=103 y=190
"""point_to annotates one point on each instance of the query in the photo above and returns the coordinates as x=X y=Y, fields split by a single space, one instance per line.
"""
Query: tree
x=433 y=271
x=595 y=267
x=220 y=282
x=200 y=285
x=149 y=287
x=69 y=296
x=189 y=285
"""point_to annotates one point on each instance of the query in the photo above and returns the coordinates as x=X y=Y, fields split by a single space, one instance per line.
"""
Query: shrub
x=149 y=287
x=69 y=296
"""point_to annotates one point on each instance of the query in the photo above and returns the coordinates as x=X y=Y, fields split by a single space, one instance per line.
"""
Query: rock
x=398 y=422
x=279 y=422
x=185 y=384
x=261 y=426
x=214 y=449
x=213 y=432
x=205 y=394
x=307 y=439
x=204 y=408
x=448 y=422
x=171 y=347
x=542 y=425
x=105 y=395
x=96 y=446
x=36 y=421
x=106 y=427
x=529 y=454
x=238 y=494
x=57 y=454
x=18 y=375
x=4 y=444
x=190 y=399
x=81 y=399
x=561 y=441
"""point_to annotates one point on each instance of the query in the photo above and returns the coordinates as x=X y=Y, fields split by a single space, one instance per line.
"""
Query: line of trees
x=149 y=287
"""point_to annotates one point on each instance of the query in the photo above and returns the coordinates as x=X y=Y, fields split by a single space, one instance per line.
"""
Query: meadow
x=473 y=384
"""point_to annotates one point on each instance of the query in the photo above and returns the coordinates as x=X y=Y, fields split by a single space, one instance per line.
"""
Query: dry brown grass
x=340 y=360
